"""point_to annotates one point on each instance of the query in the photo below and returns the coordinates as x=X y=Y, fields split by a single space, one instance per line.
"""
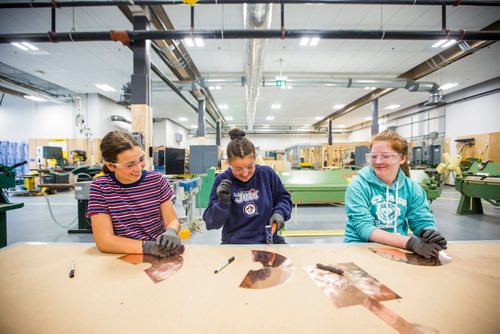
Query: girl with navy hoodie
x=246 y=197
x=382 y=202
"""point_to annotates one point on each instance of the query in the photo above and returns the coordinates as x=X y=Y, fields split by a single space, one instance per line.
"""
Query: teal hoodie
x=370 y=204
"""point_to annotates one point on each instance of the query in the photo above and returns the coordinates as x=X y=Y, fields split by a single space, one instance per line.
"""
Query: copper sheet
x=161 y=268
x=277 y=269
x=357 y=287
x=412 y=258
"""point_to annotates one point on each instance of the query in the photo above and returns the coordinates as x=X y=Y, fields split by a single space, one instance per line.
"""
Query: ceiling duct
x=255 y=16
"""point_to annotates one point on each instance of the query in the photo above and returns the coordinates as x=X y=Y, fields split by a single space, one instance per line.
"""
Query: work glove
x=277 y=219
x=168 y=242
x=430 y=236
x=224 y=191
x=150 y=248
x=422 y=248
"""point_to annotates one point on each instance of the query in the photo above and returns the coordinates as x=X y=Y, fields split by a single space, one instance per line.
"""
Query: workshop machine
x=190 y=187
x=317 y=186
x=82 y=190
x=481 y=181
x=7 y=180
x=431 y=185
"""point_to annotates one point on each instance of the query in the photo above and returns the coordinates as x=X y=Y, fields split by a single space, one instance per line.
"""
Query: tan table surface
x=108 y=295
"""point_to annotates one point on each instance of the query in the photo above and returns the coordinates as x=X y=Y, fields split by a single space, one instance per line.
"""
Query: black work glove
x=422 y=248
x=224 y=191
x=150 y=248
x=168 y=242
x=277 y=219
x=430 y=236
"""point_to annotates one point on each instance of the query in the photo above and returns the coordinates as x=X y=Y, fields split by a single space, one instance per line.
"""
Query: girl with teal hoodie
x=382 y=202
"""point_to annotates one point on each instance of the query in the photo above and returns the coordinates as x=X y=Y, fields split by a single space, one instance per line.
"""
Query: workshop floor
x=33 y=222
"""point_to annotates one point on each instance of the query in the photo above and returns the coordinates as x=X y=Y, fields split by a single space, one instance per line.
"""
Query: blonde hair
x=398 y=144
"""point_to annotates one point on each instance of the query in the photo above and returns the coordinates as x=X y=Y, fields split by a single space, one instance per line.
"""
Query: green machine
x=431 y=185
x=207 y=182
x=317 y=186
x=481 y=181
x=7 y=180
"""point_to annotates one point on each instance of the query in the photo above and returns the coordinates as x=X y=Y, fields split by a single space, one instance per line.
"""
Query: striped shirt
x=134 y=208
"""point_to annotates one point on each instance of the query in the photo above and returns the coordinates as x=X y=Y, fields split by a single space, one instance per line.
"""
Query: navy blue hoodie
x=252 y=204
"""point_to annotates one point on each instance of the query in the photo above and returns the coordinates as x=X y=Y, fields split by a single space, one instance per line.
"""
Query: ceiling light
x=229 y=118
x=199 y=42
x=105 y=88
x=392 y=106
x=368 y=118
x=29 y=46
x=194 y=126
x=189 y=42
x=341 y=126
x=269 y=118
x=439 y=43
x=448 y=86
x=182 y=119
x=266 y=125
x=223 y=106
x=449 y=43
x=338 y=106
x=370 y=88
x=276 y=106
x=318 y=118
x=34 y=98
x=304 y=41
x=215 y=87
x=19 y=45
x=289 y=87
x=314 y=41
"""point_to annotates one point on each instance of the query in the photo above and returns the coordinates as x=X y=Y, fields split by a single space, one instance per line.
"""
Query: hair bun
x=236 y=133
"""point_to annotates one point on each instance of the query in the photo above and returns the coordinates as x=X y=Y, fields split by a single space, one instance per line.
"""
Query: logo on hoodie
x=387 y=211
x=246 y=196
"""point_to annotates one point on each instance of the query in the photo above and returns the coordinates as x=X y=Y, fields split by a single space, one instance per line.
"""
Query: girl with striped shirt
x=131 y=208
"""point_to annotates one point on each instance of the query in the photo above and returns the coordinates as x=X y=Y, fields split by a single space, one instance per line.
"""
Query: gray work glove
x=150 y=248
x=168 y=242
x=224 y=191
x=433 y=236
x=422 y=248
x=277 y=219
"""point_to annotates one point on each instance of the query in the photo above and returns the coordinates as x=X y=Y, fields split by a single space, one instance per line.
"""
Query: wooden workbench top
x=108 y=295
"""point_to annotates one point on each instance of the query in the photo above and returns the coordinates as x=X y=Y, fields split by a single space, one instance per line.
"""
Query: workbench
x=108 y=295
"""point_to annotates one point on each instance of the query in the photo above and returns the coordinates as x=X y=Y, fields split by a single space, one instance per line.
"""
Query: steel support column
x=375 y=117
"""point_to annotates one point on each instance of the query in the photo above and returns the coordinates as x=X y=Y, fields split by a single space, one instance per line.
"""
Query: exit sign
x=280 y=81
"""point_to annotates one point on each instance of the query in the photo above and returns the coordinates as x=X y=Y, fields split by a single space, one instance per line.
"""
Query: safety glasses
x=131 y=164
x=382 y=157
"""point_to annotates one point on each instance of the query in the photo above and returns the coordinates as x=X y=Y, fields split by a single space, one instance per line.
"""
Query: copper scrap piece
x=412 y=258
x=357 y=287
x=161 y=268
x=277 y=270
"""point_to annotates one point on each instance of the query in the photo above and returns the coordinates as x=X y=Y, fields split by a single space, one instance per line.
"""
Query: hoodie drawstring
x=395 y=206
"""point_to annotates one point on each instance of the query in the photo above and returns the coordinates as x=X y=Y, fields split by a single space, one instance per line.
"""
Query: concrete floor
x=33 y=223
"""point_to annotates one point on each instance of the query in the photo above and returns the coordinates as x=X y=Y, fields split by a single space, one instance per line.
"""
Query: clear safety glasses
x=382 y=157
x=131 y=164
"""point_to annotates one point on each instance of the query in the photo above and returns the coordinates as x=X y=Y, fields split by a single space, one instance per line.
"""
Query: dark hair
x=114 y=143
x=398 y=144
x=239 y=146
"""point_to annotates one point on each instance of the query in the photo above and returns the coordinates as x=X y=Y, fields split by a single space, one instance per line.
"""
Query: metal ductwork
x=255 y=16
x=125 y=95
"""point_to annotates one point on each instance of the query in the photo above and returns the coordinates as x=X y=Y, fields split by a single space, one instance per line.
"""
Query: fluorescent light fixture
x=269 y=118
x=368 y=118
x=289 y=87
x=266 y=125
x=20 y=46
x=370 y=88
x=448 y=86
x=314 y=41
x=189 y=42
x=341 y=126
x=34 y=98
x=199 y=42
x=29 y=46
x=194 y=126
x=276 y=106
x=229 y=118
x=318 y=118
x=304 y=41
x=392 y=106
x=105 y=88
x=338 y=106
x=449 y=43
x=223 y=106
x=439 y=43
x=215 y=87
x=182 y=119
x=306 y=125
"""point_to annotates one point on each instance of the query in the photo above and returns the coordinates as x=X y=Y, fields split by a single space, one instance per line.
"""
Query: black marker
x=330 y=268
x=231 y=259
x=72 y=270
